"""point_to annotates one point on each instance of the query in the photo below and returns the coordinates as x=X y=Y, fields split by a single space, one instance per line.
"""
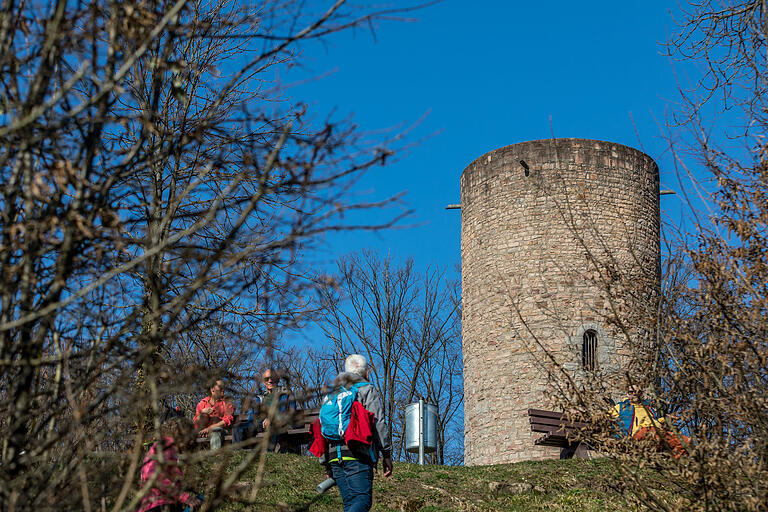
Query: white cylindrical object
x=325 y=485
x=429 y=427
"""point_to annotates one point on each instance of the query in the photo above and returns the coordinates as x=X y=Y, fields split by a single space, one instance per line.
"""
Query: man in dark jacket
x=259 y=416
x=353 y=469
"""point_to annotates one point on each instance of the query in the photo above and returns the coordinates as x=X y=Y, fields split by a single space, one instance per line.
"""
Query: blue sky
x=486 y=74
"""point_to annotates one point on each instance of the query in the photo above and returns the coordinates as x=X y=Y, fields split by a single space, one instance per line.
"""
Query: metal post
x=421 y=432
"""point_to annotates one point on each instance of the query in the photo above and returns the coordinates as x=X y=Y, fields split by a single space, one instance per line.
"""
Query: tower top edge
x=566 y=142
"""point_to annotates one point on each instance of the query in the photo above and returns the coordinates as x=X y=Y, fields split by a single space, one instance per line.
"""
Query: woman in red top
x=213 y=413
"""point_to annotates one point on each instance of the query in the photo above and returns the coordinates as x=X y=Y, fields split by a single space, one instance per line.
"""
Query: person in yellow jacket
x=639 y=420
x=634 y=413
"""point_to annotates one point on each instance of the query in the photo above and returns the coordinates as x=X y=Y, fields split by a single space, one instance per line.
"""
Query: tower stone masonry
x=542 y=224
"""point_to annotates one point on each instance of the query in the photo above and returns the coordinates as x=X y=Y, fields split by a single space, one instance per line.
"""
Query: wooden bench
x=558 y=432
x=290 y=438
x=299 y=433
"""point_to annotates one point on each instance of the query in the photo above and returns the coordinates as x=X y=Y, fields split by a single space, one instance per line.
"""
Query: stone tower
x=543 y=223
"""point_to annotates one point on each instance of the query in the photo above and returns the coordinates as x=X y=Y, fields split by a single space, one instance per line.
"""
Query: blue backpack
x=336 y=410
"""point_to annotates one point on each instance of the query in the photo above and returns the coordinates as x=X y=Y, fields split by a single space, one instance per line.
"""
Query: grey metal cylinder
x=412 y=428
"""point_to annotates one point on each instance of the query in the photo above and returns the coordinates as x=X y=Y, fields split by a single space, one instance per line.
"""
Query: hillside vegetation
x=289 y=485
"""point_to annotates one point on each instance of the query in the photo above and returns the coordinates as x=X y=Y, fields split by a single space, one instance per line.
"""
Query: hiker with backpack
x=350 y=435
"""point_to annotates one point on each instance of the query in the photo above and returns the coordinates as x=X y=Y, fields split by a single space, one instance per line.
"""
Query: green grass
x=289 y=485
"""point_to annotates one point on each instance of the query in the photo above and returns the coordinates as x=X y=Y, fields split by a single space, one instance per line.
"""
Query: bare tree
x=439 y=381
x=728 y=39
x=406 y=324
x=157 y=194
x=380 y=298
x=307 y=373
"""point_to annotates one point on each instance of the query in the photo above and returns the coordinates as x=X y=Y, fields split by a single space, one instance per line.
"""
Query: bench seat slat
x=550 y=429
x=545 y=414
x=294 y=431
x=558 y=432
x=551 y=440
x=558 y=422
x=554 y=440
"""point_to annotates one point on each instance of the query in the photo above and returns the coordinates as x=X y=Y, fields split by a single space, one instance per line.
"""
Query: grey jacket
x=371 y=399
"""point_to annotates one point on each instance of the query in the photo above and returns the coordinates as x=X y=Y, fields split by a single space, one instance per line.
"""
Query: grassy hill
x=553 y=485
x=289 y=485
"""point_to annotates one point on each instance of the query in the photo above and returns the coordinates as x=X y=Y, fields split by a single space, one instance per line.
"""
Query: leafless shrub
x=157 y=194
x=706 y=363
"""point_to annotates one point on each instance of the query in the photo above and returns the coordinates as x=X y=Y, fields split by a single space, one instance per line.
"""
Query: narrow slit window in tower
x=589 y=351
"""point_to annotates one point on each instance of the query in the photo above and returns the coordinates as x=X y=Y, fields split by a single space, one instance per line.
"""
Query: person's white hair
x=356 y=364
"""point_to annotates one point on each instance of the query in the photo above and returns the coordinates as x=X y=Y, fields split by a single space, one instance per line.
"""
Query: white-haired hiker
x=351 y=463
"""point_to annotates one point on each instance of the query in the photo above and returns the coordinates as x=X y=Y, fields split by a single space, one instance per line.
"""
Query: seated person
x=178 y=435
x=260 y=421
x=273 y=392
x=213 y=413
x=638 y=420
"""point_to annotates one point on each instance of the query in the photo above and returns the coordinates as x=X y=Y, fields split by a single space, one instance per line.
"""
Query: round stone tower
x=559 y=238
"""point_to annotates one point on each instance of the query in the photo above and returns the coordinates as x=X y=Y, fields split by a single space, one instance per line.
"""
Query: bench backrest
x=549 y=421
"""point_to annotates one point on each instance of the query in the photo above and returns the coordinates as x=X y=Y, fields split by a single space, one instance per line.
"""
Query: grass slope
x=569 y=485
